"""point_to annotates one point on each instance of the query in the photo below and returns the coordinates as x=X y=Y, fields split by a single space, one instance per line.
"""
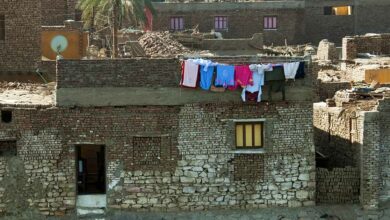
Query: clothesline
x=250 y=78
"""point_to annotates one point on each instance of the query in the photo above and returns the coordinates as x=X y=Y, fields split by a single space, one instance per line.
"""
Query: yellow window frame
x=249 y=135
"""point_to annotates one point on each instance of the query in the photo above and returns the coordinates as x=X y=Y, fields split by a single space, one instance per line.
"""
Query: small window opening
x=2 y=27
x=338 y=10
x=8 y=148
x=6 y=116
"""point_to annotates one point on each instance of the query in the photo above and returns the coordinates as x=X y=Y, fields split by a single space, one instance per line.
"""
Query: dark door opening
x=91 y=169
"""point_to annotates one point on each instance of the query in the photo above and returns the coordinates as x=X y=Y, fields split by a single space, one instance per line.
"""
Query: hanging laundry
x=276 y=81
x=206 y=77
x=290 y=69
x=301 y=71
x=225 y=76
x=189 y=76
x=242 y=77
x=258 y=80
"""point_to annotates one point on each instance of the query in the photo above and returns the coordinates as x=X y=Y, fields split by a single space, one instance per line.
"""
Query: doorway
x=91 y=169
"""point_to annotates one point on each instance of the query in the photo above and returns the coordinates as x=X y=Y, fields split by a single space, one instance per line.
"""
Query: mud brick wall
x=377 y=44
x=248 y=167
x=338 y=186
x=118 y=73
x=327 y=90
x=244 y=19
x=384 y=109
x=337 y=135
x=21 y=50
x=196 y=173
x=55 y=12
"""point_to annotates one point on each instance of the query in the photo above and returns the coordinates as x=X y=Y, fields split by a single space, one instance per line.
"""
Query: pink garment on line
x=243 y=77
x=189 y=74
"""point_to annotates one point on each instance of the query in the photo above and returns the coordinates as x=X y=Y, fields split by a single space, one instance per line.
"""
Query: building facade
x=177 y=150
x=294 y=22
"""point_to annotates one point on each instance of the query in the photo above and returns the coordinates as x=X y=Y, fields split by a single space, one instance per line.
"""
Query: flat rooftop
x=30 y=94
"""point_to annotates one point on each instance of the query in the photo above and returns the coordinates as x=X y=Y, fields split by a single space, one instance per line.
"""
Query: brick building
x=55 y=12
x=353 y=136
x=20 y=35
x=298 y=21
x=175 y=150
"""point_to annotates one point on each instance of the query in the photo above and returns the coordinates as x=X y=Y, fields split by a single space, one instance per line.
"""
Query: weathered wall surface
x=129 y=81
x=118 y=73
x=336 y=135
x=320 y=26
x=375 y=44
x=74 y=34
x=338 y=185
x=298 y=21
x=384 y=109
x=196 y=168
x=20 y=51
x=327 y=90
x=55 y=12
x=244 y=19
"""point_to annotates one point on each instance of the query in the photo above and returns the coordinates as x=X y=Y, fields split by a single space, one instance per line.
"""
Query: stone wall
x=338 y=186
x=374 y=44
x=191 y=163
x=21 y=50
x=336 y=135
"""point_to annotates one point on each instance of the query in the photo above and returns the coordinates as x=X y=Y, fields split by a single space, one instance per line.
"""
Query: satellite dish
x=59 y=44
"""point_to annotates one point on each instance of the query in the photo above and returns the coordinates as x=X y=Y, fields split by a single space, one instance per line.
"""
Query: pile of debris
x=294 y=50
x=161 y=44
x=26 y=93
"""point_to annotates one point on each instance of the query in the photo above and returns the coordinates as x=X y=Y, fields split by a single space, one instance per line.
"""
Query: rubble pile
x=26 y=93
x=293 y=50
x=161 y=44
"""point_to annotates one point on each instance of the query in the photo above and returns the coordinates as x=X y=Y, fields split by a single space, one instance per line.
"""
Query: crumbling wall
x=327 y=51
x=169 y=158
x=338 y=185
x=336 y=135
x=327 y=90
x=20 y=51
x=374 y=44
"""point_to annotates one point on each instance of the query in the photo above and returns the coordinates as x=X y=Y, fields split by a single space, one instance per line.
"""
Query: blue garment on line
x=206 y=77
x=225 y=76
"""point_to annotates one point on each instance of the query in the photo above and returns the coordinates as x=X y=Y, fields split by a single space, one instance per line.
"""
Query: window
x=6 y=116
x=270 y=23
x=249 y=134
x=8 y=148
x=220 y=23
x=338 y=10
x=177 y=23
x=2 y=27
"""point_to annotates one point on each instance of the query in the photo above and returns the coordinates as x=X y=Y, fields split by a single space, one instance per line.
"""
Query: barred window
x=249 y=135
x=220 y=23
x=177 y=23
x=270 y=23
